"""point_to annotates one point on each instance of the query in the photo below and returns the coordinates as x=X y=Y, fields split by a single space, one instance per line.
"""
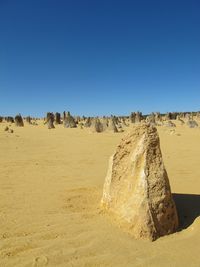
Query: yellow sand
x=50 y=189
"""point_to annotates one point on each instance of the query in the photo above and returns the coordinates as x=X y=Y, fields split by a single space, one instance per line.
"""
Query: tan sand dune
x=51 y=184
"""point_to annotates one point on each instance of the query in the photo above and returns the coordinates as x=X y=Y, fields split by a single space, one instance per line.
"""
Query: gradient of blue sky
x=99 y=56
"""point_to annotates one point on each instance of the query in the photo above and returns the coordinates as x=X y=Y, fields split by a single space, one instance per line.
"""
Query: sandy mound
x=50 y=189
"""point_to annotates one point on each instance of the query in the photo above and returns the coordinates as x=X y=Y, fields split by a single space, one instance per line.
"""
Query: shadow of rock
x=188 y=208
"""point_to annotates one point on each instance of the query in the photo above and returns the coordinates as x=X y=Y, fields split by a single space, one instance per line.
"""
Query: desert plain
x=51 y=184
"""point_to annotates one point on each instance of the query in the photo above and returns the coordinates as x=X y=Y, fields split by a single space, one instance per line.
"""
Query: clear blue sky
x=99 y=56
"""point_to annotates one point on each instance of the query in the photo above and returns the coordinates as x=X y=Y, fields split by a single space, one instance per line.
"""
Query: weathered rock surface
x=137 y=191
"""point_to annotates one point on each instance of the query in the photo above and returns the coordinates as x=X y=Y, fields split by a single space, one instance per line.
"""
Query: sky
x=99 y=57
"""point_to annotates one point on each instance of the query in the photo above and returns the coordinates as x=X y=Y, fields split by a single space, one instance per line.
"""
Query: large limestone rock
x=137 y=190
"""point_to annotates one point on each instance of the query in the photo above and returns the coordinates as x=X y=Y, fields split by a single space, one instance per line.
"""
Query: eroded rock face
x=137 y=191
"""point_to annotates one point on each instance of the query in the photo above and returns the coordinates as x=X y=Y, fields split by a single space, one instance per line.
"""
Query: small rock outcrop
x=7 y=129
x=104 y=123
x=57 y=118
x=64 y=115
x=88 y=122
x=97 y=126
x=158 y=116
x=28 y=120
x=170 y=124
x=19 y=121
x=132 y=117
x=151 y=119
x=69 y=121
x=137 y=191
x=192 y=124
x=9 y=119
x=138 y=117
x=50 y=120
x=112 y=126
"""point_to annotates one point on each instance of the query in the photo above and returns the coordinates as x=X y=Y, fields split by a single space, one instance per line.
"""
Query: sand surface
x=50 y=189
